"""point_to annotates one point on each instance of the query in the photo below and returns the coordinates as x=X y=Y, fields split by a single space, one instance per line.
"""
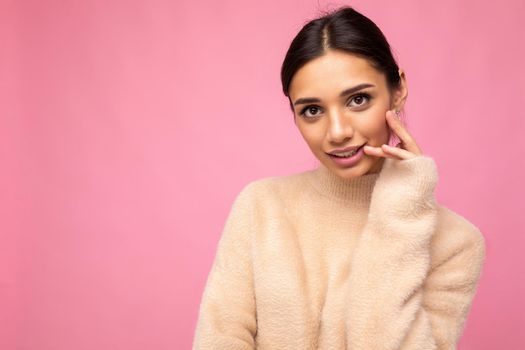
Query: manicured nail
x=396 y=114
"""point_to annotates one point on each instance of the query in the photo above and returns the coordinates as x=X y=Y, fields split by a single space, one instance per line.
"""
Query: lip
x=350 y=148
x=348 y=161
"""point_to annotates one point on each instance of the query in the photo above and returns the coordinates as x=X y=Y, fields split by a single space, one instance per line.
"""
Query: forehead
x=331 y=73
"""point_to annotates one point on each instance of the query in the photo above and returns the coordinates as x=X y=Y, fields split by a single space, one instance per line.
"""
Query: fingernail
x=396 y=114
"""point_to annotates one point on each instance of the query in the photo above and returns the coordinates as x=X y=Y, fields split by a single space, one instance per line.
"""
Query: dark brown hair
x=343 y=29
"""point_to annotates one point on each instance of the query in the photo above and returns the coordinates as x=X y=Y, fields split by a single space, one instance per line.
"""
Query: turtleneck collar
x=355 y=190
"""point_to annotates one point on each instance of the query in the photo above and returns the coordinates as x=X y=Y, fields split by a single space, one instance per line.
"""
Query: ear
x=401 y=93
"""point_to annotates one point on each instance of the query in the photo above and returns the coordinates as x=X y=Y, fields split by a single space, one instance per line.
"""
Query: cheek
x=311 y=135
x=373 y=124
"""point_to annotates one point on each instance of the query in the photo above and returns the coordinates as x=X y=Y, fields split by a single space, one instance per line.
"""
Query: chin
x=377 y=165
x=351 y=172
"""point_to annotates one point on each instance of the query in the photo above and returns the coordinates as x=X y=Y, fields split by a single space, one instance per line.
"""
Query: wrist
x=405 y=186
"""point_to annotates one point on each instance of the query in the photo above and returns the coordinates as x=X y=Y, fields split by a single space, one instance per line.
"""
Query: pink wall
x=127 y=128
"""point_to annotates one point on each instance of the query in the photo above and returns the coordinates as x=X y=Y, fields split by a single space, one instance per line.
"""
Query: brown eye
x=360 y=99
x=309 y=109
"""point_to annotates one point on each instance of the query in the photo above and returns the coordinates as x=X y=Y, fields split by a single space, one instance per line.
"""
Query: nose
x=339 y=128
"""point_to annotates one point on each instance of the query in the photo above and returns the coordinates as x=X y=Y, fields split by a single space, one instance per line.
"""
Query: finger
x=399 y=152
x=407 y=141
x=379 y=152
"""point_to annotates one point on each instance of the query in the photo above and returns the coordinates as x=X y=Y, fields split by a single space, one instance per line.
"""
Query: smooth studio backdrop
x=128 y=127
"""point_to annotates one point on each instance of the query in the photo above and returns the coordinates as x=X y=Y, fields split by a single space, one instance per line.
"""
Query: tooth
x=347 y=154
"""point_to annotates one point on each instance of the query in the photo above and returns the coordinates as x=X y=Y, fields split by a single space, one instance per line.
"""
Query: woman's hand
x=406 y=149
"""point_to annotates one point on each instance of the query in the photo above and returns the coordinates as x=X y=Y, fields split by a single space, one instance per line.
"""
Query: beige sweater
x=314 y=261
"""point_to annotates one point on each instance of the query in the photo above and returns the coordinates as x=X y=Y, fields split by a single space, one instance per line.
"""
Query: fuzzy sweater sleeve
x=227 y=318
x=397 y=299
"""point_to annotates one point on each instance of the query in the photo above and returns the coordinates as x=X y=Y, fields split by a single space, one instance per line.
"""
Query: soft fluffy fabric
x=315 y=261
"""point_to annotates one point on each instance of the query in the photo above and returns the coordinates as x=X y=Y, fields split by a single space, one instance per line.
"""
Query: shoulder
x=274 y=188
x=455 y=234
x=450 y=221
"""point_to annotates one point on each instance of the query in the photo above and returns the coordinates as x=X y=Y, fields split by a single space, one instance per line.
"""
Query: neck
x=356 y=190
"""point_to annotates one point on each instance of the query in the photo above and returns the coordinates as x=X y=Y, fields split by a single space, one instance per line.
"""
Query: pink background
x=128 y=127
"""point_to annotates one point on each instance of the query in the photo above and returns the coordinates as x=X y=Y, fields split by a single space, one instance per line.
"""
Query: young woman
x=356 y=253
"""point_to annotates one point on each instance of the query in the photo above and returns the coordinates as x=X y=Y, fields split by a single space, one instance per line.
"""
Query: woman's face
x=335 y=121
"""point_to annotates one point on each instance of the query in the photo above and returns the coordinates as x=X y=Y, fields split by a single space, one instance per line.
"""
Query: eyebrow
x=346 y=92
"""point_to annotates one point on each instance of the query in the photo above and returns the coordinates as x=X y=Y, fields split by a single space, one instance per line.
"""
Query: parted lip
x=346 y=149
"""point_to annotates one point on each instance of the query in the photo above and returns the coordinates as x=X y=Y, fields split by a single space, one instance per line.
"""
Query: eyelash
x=363 y=94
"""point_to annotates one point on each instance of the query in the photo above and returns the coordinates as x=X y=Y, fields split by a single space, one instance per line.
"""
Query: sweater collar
x=356 y=190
